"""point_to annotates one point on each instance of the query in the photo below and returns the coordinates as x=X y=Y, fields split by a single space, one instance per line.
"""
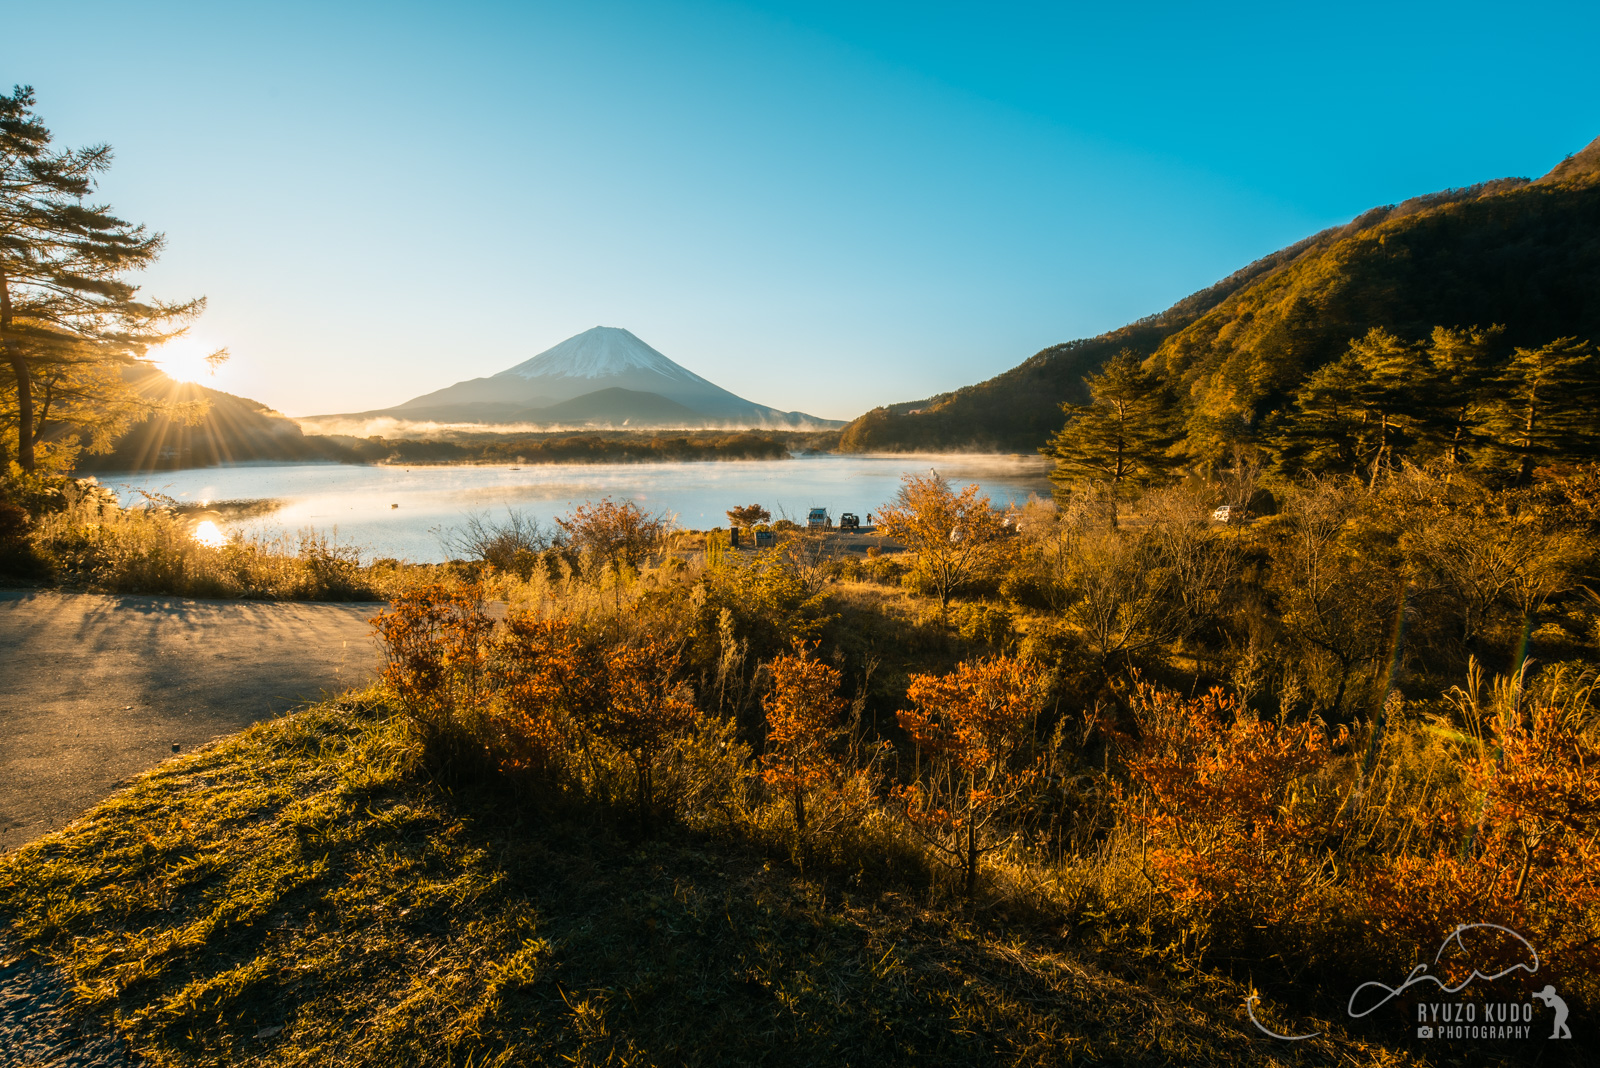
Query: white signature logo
x=1420 y=974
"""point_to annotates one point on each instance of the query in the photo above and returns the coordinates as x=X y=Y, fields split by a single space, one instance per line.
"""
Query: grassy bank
x=78 y=537
x=299 y=895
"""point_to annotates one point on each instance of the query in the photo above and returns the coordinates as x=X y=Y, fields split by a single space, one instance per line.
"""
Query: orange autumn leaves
x=802 y=709
x=1230 y=818
x=1246 y=831
x=529 y=696
x=1254 y=826
x=975 y=737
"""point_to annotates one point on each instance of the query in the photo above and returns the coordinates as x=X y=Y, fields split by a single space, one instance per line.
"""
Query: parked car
x=819 y=519
x=1230 y=513
x=849 y=521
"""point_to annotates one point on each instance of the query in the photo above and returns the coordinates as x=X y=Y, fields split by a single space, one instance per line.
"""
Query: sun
x=190 y=358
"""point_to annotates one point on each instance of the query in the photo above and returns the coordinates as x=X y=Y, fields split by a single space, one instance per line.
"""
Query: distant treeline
x=600 y=447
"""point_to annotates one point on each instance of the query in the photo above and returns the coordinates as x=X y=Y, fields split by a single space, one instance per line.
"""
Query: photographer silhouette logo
x=1549 y=996
x=1475 y=1019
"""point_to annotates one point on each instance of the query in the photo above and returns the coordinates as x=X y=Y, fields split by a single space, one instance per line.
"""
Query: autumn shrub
x=516 y=543
x=548 y=688
x=974 y=734
x=546 y=704
x=435 y=639
x=1518 y=849
x=885 y=568
x=1233 y=813
x=982 y=623
x=802 y=719
x=17 y=556
x=612 y=534
x=767 y=599
x=648 y=708
x=956 y=539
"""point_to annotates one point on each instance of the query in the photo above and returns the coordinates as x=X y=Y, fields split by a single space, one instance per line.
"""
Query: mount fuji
x=604 y=377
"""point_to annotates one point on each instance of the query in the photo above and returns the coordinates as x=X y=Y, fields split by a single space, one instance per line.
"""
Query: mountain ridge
x=1493 y=239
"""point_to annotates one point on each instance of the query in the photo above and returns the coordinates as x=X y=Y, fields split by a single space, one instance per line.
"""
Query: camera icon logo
x=1425 y=1031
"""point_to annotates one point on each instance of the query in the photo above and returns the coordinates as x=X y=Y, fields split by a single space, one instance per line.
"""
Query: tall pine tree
x=69 y=320
x=1359 y=413
x=1548 y=397
x=1123 y=439
x=1461 y=388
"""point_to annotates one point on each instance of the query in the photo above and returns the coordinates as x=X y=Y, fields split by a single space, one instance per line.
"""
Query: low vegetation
x=75 y=534
x=610 y=446
x=301 y=894
x=693 y=803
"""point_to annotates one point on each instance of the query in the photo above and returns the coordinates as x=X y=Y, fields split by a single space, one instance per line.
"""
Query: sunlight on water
x=398 y=511
x=206 y=532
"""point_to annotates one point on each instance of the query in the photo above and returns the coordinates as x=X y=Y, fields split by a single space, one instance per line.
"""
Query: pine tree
x=1547 y=405
x=1123 y=439
x=1460 y=388
x=69 y=320
x=1391 y=390
x=1361 y=412
x=1324 y=430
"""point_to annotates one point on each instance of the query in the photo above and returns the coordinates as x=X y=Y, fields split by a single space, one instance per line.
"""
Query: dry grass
x=300 y=876
x=92 y=542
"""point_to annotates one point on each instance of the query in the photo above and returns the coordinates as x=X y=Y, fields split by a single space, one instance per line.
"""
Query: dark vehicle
x=849 y=521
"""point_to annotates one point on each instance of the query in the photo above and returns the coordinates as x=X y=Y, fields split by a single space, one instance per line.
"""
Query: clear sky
x=821 y=206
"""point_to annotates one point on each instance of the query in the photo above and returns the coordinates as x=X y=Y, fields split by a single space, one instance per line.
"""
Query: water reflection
x=396 y=511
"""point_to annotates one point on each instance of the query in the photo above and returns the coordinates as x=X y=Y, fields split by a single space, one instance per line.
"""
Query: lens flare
x=189 y=358
x=207 y=533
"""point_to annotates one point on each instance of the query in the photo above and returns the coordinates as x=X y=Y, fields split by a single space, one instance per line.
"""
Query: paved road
x=95 y=689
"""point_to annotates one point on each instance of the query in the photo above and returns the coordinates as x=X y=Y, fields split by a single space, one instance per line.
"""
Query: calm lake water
x=355 y=502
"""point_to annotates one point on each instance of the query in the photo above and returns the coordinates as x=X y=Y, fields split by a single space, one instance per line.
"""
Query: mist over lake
x=356 y=501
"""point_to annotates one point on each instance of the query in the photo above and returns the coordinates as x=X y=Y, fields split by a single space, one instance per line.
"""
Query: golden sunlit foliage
x=803 y=709
x=82 y=537
x=613 y=535
x=1294 y=751
x=1506 y=252
x=974 y=729
x=955 y=537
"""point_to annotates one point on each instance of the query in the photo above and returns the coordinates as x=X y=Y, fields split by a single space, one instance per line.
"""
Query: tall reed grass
x=90 y=539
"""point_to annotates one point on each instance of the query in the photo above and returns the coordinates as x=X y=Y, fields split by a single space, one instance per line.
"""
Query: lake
x=356 y=502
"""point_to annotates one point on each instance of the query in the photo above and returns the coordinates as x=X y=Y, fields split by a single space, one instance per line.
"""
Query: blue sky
x=821 y=206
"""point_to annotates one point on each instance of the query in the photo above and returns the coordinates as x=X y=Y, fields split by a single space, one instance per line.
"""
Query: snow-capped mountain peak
x=603 y=352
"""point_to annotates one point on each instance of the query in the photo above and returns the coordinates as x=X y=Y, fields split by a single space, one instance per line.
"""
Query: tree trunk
x=1525 y=468
x=972 y=855
x=19 y=367
x=799 y=794
x=1344 y=680
x=644 y=797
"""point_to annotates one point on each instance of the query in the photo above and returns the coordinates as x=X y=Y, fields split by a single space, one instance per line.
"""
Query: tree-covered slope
x=1526 y=257
x=233 y=429
x=1525 y=254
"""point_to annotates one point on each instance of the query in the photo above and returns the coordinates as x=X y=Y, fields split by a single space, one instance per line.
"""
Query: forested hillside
x=231 y=430
x=1518 y=253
